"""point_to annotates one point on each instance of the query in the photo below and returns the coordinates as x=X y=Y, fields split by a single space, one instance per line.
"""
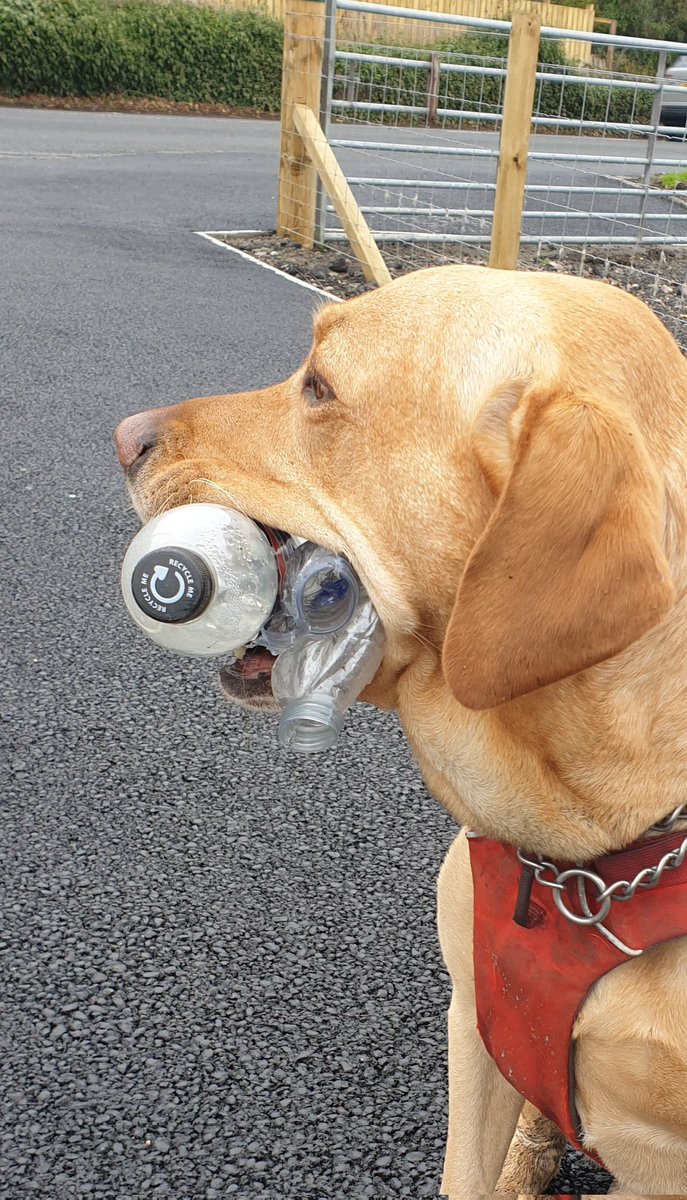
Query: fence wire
x=415 y=128
x=416 y=133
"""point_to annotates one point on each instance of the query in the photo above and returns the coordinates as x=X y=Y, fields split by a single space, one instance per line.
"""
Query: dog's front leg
x=483 y=1111
x=483 y=1107
x=534 y=1156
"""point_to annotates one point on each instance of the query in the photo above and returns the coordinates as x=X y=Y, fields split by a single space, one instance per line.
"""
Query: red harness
x=532 y=977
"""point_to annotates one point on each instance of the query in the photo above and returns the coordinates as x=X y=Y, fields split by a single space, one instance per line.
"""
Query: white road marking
x=215 y=235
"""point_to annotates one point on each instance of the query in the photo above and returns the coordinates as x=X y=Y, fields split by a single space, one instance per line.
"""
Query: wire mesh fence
x=417 y=135
x=416 y=129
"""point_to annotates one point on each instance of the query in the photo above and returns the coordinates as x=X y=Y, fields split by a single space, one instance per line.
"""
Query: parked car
x=674 y=98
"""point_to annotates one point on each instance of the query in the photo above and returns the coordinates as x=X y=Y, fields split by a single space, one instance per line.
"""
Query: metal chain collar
x=548 y=875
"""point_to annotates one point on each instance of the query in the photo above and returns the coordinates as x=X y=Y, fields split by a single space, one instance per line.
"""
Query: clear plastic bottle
x=204 y=580
x=317 y=679
x=318 y=595
x=200 y=579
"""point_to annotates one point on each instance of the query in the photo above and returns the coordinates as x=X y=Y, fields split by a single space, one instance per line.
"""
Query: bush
x=135 y=48
x=181 y=52
x=483 y=93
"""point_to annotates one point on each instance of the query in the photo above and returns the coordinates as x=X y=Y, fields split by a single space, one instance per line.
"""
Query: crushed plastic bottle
x=317 y=679
x=318 y=595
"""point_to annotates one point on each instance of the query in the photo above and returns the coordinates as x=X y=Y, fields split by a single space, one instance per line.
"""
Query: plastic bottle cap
x=171 y=584
x=310 y=725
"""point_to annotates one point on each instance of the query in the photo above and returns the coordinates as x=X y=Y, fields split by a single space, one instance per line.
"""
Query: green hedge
x=135 y=48
x=180 y=52
x=381 y=84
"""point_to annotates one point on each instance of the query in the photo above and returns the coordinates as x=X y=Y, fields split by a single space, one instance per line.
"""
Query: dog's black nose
x=135 y=437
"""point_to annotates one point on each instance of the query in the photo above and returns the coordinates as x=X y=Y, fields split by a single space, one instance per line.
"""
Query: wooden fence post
x=351 y=84
x=433 y=85
x=301 y=83
x=511 y=175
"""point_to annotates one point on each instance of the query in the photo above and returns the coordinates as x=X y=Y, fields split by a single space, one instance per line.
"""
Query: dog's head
x=464 y=451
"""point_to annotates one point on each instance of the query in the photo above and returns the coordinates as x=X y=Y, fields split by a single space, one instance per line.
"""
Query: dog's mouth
x=247 y=678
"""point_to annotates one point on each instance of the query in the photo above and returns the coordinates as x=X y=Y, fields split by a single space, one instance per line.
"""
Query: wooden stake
x=523 y=52
x=301 y=82
x=351 y=84
x=355 y=226
x=433 y=87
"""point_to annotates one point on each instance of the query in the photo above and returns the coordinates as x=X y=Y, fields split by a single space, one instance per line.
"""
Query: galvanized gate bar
x=448 y=68
x=482 y=152
x=385 y=60
x=547 y=31
x=440 y=213
x=629 y=191
x=419 y=14
x=356 y=144
x=463 y=114
x=526 y=239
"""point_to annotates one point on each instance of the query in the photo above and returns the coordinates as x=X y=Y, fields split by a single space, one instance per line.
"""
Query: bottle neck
x=310 y=724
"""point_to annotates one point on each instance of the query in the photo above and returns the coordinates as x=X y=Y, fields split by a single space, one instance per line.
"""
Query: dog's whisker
x=218 y=487
x=425 y=641
x=162 y=503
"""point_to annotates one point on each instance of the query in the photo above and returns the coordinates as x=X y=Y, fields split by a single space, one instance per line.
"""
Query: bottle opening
x=326 y=595
x=311 y=725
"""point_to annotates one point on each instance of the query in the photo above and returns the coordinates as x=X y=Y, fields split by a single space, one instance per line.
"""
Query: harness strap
x=534 y=970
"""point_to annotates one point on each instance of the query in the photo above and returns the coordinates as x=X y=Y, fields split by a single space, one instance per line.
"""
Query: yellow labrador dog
x=503 y=458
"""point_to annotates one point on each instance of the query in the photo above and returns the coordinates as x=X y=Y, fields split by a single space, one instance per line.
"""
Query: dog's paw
x=533 y=1157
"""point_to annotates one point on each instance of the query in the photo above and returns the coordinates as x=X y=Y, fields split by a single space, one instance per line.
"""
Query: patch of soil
x=655 y=275
x=133 y=104
x=332 y=270
x=658 y=181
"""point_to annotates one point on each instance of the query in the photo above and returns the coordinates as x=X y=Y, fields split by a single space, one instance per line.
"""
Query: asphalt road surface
x=220 y=968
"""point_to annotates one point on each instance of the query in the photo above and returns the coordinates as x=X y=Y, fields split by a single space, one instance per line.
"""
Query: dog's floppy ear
x=569 y=570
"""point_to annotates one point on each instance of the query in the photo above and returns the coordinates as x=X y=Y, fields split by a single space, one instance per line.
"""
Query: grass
x=673 y=179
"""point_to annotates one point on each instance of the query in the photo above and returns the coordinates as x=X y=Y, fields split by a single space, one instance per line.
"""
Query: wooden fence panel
x=366 y=27
x=361 y=27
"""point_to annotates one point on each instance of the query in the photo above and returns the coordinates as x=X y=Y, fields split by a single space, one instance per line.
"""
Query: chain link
x=622 y=889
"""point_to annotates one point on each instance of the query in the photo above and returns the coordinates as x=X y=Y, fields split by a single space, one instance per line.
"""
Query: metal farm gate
x=490 y=145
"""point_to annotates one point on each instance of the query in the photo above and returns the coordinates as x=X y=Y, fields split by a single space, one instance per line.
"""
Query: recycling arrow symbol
x=171 y=583
x=162 y=574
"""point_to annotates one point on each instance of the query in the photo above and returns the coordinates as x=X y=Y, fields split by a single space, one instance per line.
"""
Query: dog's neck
x=573 y=770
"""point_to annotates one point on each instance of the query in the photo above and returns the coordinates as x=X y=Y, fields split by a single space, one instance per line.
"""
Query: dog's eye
x=316 y=391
